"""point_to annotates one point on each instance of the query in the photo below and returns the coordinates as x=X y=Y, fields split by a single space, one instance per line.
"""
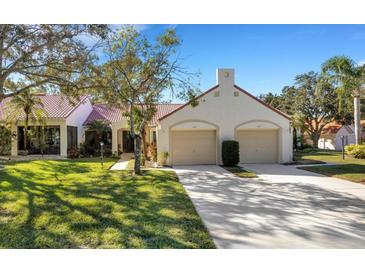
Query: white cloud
x=360 y=63
x=138 y=27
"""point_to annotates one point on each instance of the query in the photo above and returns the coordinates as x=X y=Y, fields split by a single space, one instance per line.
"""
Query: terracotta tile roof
x=163 y=110
x=114 y=114
x=105 y=113
x=56 y=106
x=331 y=128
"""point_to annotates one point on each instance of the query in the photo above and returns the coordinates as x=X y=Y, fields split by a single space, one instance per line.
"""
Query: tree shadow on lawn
x=110 y=210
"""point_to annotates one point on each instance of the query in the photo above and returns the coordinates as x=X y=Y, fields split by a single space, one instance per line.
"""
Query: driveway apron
x=282 y=208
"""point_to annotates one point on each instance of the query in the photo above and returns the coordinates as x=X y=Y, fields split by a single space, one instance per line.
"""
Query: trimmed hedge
x=230 y=153
x=358 y=151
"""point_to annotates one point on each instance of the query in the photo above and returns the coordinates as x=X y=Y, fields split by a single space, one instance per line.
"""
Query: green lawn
x=78 y=204
x=352 y=169
x=240 y=172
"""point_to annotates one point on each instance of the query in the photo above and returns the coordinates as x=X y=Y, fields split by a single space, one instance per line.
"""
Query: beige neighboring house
x=63 y=124
x=188 y=135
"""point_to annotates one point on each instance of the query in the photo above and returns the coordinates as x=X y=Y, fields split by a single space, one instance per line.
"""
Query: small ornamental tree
x=137 y=72
x=230 y=153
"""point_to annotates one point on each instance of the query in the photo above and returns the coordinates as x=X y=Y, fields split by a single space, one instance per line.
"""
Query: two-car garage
x=192 y=134
x=199 y=147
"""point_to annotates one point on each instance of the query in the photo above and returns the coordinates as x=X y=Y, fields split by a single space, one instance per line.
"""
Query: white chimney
x=225 y=78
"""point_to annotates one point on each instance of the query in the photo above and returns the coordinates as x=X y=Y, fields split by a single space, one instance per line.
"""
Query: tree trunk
x=299 y=137
x=357 y=114
x=137 y=154
x=315 y=139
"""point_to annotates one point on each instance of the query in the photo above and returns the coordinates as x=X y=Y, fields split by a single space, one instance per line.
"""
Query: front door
x=128 y=144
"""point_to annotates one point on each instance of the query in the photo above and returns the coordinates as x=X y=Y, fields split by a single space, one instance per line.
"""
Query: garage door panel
x=194 y=147
x=258 y=146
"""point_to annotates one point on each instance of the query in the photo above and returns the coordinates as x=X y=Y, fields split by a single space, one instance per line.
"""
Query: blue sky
x=265 y=57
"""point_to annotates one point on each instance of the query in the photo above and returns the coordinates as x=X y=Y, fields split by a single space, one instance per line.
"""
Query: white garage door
x=258 y=146
x=194 y=147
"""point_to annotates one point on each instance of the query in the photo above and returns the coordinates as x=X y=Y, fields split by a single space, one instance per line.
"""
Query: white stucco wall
x=327 y=141
x=78 y=117
x=349 y=138
x=226 y=108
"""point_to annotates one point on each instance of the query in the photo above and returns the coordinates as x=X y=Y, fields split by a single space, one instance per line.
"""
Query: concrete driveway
x=283 y=208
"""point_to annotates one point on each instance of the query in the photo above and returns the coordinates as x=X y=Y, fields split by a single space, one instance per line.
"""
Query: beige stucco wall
x=226 y=108
x=76 y=118
x=116 y=138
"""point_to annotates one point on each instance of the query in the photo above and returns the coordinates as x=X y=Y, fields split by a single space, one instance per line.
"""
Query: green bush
x=349 y=149
x=230 y=153
x=358 y=151
x=5 y=140
x=143 y=160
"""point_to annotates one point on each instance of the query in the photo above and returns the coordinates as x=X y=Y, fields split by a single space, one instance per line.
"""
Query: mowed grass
x=240 y=172
x=349 y=169
x=79 y=204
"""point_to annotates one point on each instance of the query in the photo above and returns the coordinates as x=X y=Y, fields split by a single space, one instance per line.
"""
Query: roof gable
x=241 y=90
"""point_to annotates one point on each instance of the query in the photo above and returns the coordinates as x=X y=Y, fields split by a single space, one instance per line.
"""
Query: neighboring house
x=121 y=140
x=63 y=124
x=331 y=136
x=327 y=139
x=348 y=134
x=191 y=135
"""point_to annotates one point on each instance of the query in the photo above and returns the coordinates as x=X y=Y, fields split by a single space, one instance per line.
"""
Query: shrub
x=349 y=149
x=108 y=151
x=143 y=160
x=5 y=140
x=163 y=158
x=230 y=153
x=358 y=151
x=305 y=146
x=86 y=150
x=73 y=152
x=307 y=150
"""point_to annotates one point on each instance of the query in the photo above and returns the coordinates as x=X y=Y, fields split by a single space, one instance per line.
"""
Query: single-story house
x=64 y=118
x=187 y=134
x=193 y=135
x=348 y=132
x=331 y=136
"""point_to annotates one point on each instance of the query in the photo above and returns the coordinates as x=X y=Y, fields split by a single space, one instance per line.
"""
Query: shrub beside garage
x=230 y=153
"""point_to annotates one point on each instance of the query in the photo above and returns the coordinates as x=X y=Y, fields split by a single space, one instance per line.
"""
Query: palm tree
x=349 y=79
x=31 y=105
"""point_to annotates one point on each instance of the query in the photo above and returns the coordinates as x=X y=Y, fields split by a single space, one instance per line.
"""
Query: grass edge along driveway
x=349 y=169
x=78 y=204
